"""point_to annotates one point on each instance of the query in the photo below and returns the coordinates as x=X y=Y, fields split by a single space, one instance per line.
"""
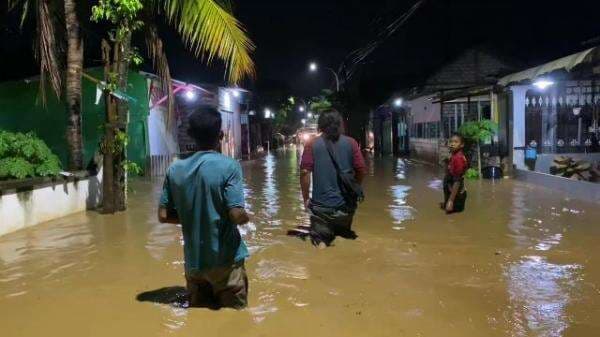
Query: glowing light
x=309 y=115
x=543 y=84
x=303 y=121
x=268 y=113
x=190 y=95
x=313 y=67
x=398 y=102
x=301 y=109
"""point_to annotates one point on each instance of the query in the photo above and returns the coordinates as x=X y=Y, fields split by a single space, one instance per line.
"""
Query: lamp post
x=313 y=67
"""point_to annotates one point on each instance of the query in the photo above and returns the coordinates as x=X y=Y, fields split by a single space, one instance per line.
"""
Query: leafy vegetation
x=24 y=155
x=476 y=132
x=472 y=174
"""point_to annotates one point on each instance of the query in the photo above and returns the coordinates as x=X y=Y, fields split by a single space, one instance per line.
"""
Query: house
x=554 y=110
x=419 y=121
x=460 y=91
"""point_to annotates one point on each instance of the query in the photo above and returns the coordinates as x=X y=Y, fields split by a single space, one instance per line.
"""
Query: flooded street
x=521 y=261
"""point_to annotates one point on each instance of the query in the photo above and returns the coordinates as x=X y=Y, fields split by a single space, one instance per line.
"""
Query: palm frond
x=209 y=30
x=154 y=45
x=47 y=44
x=48 y=49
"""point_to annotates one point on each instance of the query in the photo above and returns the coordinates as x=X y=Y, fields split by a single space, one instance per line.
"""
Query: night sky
x=290 y=33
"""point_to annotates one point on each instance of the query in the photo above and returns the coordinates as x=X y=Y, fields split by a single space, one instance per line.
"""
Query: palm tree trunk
x=73 y=85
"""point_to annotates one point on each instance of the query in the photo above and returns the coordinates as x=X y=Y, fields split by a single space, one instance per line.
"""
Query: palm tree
x=51 y=55
x=207 y=27
x=73 y=85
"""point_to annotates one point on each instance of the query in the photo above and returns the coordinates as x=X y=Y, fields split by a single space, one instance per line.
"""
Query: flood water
x=521 y=261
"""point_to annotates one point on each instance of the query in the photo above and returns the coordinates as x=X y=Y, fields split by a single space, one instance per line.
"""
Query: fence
x=159 y=164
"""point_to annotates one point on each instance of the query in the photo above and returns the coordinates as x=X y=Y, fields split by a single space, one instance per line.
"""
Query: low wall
x=581 y=190
x=424 y=149
x=29 y=202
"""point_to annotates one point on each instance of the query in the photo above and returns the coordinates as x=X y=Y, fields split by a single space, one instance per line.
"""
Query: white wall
x=518 y=114
x=163 y=139
x=29 y=208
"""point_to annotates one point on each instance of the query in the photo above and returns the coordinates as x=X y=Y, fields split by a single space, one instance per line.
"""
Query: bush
x=472 y=174
x=24 y=155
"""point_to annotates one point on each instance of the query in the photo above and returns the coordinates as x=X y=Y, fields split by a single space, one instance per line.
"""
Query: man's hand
x=166 y=216
x=238 y=216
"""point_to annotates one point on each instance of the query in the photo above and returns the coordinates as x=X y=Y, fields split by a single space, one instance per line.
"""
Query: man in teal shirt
x=204 y=193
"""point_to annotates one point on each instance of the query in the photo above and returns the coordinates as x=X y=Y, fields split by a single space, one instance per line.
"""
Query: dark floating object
x=491 y=172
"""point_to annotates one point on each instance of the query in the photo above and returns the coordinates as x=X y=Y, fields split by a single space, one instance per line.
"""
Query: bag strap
x=331 y=151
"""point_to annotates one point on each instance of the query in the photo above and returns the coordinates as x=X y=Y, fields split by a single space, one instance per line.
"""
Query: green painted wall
x=22 y=111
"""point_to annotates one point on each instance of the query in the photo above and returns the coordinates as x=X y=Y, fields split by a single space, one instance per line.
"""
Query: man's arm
x=234 y=196
x=166 y=210
x=164 y=216
x=307 y=165
x=305 y=186
x=358 y=163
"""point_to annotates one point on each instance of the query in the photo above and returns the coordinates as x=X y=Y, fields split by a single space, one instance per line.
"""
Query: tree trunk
x=108 y=195
x=73 y=85
x=479 y=159
x=122 y=69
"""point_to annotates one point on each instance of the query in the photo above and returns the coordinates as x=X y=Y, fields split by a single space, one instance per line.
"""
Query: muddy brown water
x=521 y=261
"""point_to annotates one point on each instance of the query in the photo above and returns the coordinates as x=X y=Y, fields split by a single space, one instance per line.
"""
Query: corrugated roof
x=565 y=63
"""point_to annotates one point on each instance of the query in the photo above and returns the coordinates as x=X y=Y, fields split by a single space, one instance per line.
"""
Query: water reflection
x=270 y=191
x=539 y=290
x=399 y=210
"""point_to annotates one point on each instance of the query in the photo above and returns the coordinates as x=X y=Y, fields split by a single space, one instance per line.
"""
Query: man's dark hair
x=330 y=123
x=459 y=136
x=205 y=126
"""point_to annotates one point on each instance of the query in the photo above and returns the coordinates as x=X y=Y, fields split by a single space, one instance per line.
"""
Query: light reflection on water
x=539 y=290
x=291 y=280
x=399 y=210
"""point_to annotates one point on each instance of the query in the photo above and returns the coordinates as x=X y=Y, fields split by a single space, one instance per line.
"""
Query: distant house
x=459 y=91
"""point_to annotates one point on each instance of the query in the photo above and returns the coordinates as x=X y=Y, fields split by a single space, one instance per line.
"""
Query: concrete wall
x=48 y=201
x=581 y=190
x=425 y=149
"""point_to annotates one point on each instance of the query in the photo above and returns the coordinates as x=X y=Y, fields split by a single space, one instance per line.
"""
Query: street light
x=301 y=109
x=543 y=83
x=309 y=115
x=313 y=67
x=303 y=121
x=190 y=95
x=398 y=102
x=268 y=113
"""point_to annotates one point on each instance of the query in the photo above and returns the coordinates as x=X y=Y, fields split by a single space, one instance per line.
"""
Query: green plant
x=476 y=132
x=472 y=174
x=25 y=155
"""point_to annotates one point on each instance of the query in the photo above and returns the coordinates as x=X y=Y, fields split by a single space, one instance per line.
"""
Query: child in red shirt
x=454 y=186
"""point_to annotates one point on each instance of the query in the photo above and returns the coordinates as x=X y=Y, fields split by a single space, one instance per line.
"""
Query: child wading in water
x=454 y=186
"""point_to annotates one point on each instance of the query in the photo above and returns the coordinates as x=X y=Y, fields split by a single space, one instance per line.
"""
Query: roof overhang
x=566 y=63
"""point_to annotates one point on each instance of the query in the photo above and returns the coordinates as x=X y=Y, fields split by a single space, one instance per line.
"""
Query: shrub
x=472 y=174
x=24 y=155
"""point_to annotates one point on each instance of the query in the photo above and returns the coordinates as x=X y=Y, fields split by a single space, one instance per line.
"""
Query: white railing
x=158 y=164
